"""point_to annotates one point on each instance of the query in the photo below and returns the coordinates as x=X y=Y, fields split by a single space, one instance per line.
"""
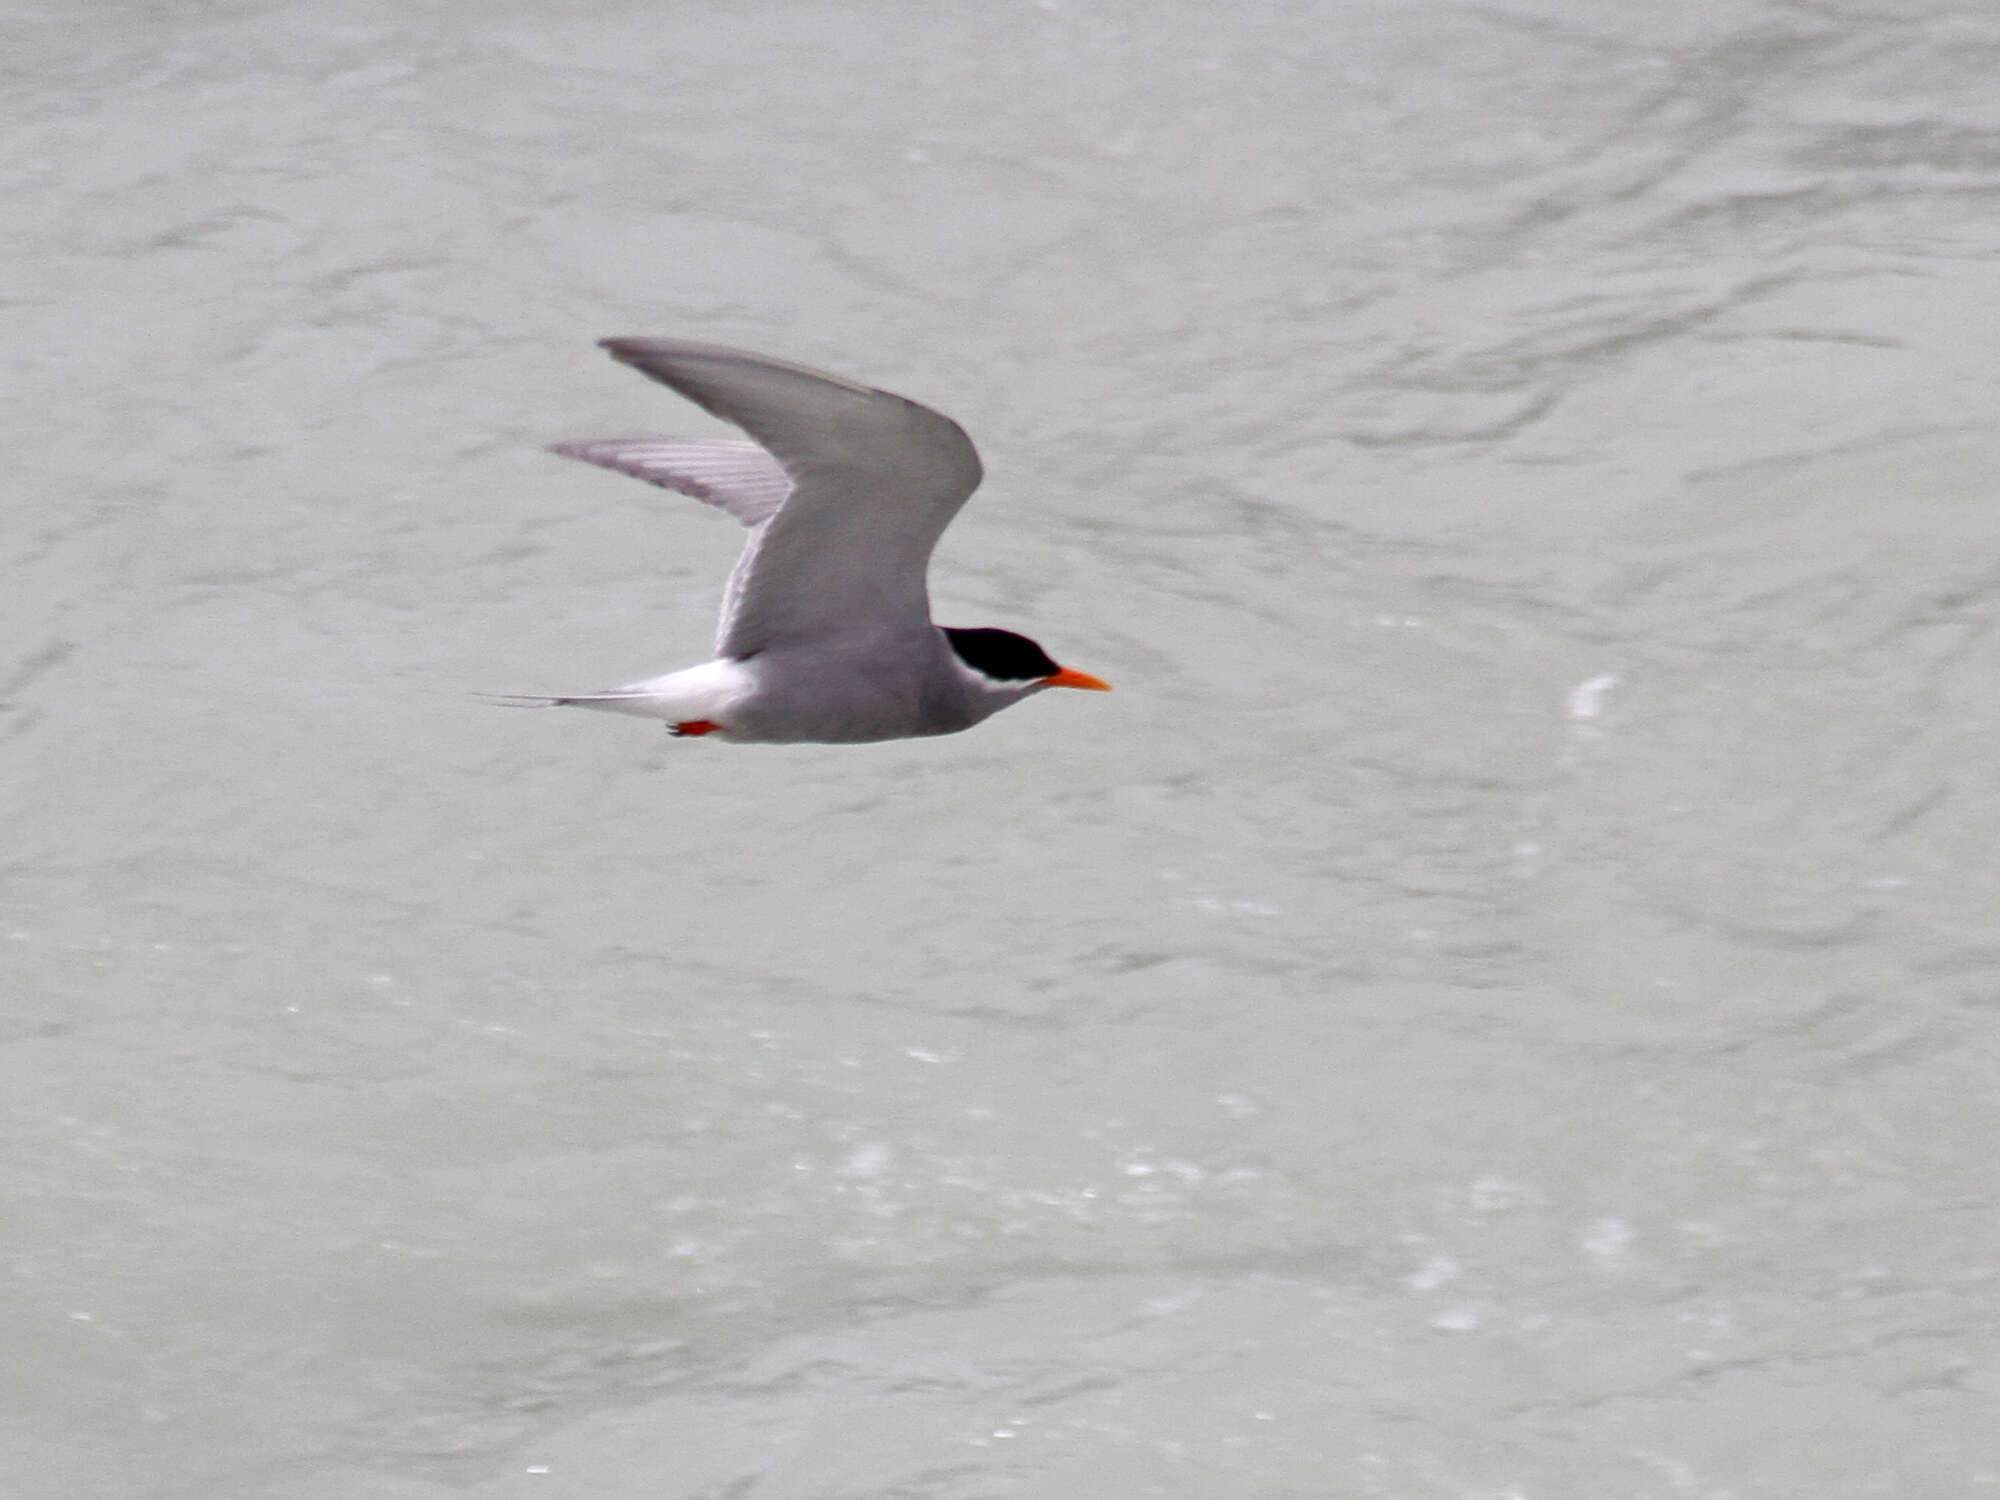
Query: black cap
x=1001 y=655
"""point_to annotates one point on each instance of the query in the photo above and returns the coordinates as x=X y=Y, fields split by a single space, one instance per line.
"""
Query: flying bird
x=826 y=630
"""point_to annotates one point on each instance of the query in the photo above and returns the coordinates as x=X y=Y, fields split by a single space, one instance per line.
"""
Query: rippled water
x=1502 y=1002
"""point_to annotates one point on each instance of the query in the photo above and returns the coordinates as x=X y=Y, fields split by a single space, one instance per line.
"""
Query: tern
x=826 y=632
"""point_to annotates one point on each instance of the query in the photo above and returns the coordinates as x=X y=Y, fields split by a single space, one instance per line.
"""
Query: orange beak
x=1069 y=678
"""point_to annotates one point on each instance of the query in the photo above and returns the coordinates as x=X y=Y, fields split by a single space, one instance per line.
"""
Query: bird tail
x=646 y=705
x=520 y=700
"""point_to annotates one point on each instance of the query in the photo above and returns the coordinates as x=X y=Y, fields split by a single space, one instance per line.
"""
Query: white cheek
x=980 y=682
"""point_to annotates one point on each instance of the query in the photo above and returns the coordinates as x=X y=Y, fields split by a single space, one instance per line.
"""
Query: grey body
x=825 y=631
x=851 y=690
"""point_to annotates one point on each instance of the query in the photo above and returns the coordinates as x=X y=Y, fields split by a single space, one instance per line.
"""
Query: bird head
x=1013 y=665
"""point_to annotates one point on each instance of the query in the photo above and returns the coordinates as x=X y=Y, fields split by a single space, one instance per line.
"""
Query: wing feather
x=740 y=479
x=873 y=480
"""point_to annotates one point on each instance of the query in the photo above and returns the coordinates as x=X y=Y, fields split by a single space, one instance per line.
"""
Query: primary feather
x=874 y=480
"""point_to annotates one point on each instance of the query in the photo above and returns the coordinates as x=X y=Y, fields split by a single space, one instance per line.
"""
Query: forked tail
x=520 y=700
x=583 y=700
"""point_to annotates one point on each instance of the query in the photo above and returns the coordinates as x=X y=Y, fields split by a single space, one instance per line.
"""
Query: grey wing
x=874 y=478
x=740 y=479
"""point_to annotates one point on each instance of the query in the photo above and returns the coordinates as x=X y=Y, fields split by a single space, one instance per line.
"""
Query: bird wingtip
x=629 y=347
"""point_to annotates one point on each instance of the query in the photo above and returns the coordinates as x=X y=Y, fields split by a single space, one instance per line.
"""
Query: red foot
x=694 y=726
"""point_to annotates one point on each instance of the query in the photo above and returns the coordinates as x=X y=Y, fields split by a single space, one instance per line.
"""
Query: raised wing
x=738 y=478
x=874 y=478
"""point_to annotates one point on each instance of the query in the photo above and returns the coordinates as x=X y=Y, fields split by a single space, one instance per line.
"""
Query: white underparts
x=708 y=692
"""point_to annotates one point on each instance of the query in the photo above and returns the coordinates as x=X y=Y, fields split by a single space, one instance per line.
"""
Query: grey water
x=1502 y=1003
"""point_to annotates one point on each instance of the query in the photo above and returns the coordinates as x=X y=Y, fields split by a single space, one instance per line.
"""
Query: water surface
x=1503 y=1001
